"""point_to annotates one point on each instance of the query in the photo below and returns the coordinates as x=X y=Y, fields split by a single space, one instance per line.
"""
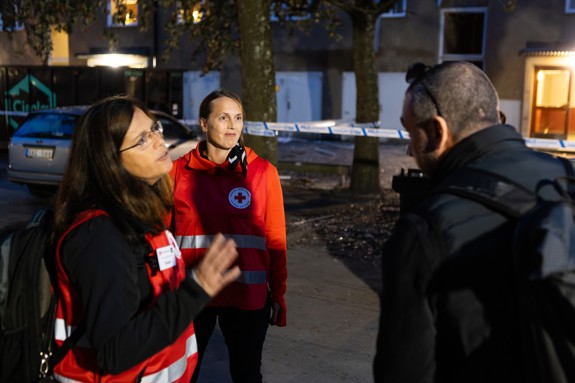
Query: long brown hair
x=95 y=177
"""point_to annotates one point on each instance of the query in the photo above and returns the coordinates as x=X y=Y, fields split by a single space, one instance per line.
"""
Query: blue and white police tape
x=371 y=130
x=324 y=127
x=346 y=128
x=549 y=144
x=270 y=129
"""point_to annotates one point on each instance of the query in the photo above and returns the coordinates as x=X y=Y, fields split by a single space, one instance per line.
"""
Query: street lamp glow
x=116 y=60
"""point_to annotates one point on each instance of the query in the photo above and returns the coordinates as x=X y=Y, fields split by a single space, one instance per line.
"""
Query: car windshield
x=173 y=130
x=48 y=125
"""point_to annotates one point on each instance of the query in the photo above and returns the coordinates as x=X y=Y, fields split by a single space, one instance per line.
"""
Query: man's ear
x=440 y=138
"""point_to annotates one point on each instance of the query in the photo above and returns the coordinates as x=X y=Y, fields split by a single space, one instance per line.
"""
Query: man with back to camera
x=448 y=305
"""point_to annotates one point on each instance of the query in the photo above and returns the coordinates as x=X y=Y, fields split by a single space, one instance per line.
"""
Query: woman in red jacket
x=222 y=186
x=121 y=282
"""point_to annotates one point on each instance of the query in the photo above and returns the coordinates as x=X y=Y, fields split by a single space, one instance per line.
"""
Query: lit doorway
x=551 y=113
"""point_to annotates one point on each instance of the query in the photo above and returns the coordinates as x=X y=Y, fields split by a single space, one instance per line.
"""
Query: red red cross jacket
x=174 y=363
x=210 y=199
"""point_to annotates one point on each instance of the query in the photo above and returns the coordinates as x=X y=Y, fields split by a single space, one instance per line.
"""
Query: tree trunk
x=365 y=168
x=258 y=72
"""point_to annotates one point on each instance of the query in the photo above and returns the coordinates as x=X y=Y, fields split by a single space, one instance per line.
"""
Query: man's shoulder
x=531 y=171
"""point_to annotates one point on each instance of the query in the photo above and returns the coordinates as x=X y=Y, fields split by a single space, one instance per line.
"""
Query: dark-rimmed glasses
x=146 y=139
x=415 y=74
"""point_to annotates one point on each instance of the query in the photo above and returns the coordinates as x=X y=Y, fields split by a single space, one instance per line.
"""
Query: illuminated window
x=570 y=6
x=122 y=13
x=552 y=111
x=192 y=15
x=398 y=10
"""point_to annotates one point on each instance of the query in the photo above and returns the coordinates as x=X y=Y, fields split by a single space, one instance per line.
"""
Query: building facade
x=527 y=51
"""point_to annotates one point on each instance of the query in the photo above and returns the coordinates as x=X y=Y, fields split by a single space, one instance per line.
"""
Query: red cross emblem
x=240 y=198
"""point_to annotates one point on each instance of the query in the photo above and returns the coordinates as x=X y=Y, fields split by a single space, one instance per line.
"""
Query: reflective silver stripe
x=246 y=277
x=174 y=371
x=204 y=241
x=63 y=379
x=62 y=331
x=249 y=241
x=169 y=374
x=252 y=277
x=194 y=241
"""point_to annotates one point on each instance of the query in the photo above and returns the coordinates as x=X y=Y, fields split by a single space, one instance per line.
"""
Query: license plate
x=40 y=153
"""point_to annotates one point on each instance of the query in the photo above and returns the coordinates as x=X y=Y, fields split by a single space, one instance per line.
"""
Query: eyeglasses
x=414 y=74
x=146 y=139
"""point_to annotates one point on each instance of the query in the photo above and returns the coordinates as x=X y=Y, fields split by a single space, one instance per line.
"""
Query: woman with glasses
x=222 y=186
x=123 y=294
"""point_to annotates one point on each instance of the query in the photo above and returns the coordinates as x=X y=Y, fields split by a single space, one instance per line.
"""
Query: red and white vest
x=209 y=199
x=174 y=363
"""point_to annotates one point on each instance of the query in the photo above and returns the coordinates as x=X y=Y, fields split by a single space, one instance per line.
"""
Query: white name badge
x=166 y=257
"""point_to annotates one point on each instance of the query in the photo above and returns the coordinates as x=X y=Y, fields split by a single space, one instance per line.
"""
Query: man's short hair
x=459 y=92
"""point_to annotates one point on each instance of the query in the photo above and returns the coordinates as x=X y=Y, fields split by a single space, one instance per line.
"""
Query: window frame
x=109 y=19
x=180 y=14
x=393 y=14
x=275 y=19
x=460 y=56
x=546 y=112
x=19 y=26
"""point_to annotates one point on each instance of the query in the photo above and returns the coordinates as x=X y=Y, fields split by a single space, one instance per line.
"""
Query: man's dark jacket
x=448 y=304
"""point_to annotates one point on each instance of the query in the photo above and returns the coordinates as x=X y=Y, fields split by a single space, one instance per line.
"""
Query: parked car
x=39 y=149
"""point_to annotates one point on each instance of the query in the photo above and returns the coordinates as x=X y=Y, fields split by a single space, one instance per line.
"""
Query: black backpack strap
x=500 y=193
x=61 y=351
x=50 y=358
x=570 y=176
x=545 y=315
x=491 y=190
x=568 y=166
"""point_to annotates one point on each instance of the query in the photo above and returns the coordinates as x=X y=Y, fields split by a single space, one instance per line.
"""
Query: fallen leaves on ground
x=352 y=231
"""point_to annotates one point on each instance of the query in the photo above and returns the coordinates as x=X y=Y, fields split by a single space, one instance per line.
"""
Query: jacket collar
x=195 y=160
x=480 y=144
